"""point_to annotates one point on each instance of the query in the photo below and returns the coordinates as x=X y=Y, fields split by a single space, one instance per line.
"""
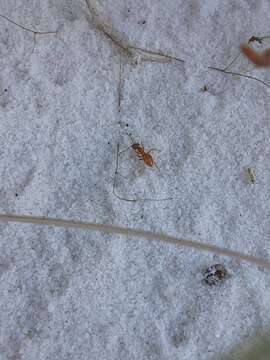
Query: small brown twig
x=120 y=85
x=238 y=74
x=102 y=27
x=28 y=29
x=131 y=51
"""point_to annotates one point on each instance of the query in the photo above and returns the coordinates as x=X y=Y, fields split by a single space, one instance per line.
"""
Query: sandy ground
x=71 y=294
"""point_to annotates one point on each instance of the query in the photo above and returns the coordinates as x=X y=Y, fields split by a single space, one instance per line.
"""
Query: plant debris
x=215 y=274
x=29 y=30
x=249 y=176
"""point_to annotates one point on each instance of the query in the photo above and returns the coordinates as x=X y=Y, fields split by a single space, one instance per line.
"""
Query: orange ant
x=146 y=157
x=142 y=157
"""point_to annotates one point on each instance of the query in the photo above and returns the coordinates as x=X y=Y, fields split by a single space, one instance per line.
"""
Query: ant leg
x=126 y=199
x=156 y=166
x=148 y=152
x=121 y=152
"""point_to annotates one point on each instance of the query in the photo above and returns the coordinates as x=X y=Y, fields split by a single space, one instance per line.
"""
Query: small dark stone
x=205 y=88
x=215 y=274
x=127 y=125
x=16 y=194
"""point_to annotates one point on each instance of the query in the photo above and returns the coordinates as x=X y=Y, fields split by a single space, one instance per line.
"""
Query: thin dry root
x=29 y=30
x=238 y=74
x=132 y=52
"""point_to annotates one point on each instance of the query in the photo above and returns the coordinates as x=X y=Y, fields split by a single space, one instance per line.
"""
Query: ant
x=146 y=157
x=143 y=155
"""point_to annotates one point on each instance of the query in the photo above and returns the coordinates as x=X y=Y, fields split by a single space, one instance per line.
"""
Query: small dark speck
x=128 y=11
x=108 y=143
x=204 y=88
x=127 y=125
x=141 y=22
x=16 y=194
x=141 y=216
x=5 y=90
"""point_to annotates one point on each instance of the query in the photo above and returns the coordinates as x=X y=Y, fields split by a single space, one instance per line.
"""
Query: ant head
x=135 y=146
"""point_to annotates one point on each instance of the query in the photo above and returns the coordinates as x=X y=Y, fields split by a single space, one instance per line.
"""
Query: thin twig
x=115 y=40
x=104 y=29
x=238 y=74
x=35 y=41
x=154 y=54
x=232 y=62
x=29 y=30
x=120 y=85
x=147 y=235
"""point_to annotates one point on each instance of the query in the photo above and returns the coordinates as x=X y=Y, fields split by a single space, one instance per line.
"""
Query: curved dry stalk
x=131 y=51
x=109 y=33
x=28 y=29
x=147 y=235
x=35 y=32
x=238 y=74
